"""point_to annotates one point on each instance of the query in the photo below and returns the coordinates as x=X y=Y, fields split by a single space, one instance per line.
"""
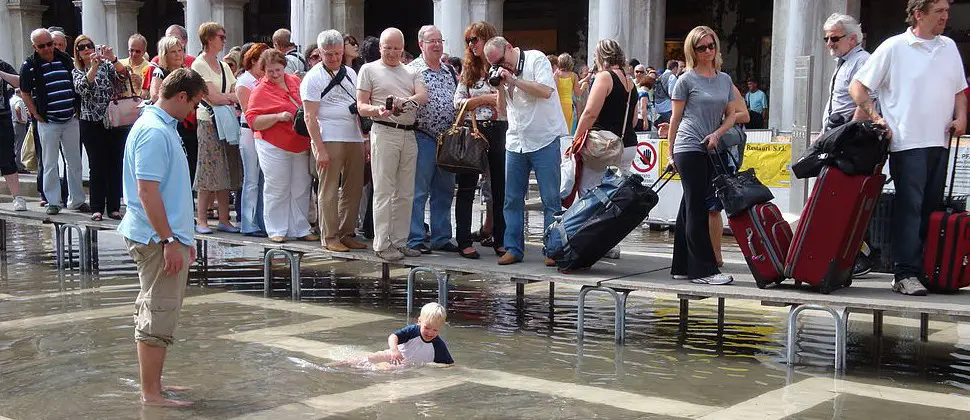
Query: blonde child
x=416 y=343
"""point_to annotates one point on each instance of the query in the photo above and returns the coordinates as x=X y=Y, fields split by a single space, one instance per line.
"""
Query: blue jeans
x=429 y=180
x=545 y=162
x=920 y=177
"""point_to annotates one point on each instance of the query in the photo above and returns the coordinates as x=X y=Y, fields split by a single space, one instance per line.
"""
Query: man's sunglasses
x=472 y=40
x=703 y=48
x=83 y=47
x=833 y=38
x=44 y=45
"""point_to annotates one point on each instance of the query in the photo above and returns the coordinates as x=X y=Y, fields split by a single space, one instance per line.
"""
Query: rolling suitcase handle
x=669 y=173
x=953 y=174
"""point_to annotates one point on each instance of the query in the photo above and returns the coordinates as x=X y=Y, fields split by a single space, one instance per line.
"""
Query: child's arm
x=396 y=355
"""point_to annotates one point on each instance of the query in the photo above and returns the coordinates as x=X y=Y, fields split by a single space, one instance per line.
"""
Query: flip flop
x=97 y=217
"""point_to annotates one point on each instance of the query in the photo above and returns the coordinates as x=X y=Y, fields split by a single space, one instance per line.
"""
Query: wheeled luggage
x=947 y=248
x=764 y=237
x=599 y=220
x=832 y=228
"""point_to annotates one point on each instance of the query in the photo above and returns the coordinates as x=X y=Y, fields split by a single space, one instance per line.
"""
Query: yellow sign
x=771 y=162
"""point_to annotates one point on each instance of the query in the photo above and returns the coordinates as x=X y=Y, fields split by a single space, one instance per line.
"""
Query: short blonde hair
x=164 y=45
x=434 y=314
x=693 y=39
x=566 y=62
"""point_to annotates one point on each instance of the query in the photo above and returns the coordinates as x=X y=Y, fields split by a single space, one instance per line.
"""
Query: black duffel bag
x=739 y=191
x=856 y=148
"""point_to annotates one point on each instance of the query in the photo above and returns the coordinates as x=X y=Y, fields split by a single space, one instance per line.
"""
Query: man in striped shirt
x=49 y=94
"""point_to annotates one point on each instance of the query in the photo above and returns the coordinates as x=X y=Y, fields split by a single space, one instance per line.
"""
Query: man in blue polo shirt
x=159 y=224
x=49 y=94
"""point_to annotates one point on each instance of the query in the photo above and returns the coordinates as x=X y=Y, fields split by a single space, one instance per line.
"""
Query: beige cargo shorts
x=160 y=299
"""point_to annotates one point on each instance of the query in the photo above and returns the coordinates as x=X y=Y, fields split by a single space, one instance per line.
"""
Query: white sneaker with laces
x=19 y=204
x=717 y=279
x=909 y=286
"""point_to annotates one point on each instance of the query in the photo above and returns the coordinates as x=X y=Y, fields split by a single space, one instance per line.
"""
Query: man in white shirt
x=920 y=80
x=390 y=93
x=528 y=94
x=330 y=106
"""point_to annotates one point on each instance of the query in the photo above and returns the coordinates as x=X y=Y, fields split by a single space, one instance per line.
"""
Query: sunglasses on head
x=833 y=38
x=472 y=40
x=703 y=48
x=45 y=45
x=83 y=47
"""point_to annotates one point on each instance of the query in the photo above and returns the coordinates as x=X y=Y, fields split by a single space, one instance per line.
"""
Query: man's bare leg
x=151 y=359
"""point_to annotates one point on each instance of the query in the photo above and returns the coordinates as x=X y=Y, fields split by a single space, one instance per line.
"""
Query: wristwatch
x=168 y=240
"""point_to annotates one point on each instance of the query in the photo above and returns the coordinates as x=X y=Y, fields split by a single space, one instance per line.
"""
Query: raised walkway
x=617 y=277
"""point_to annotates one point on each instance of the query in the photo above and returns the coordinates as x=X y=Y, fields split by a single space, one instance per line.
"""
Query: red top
x=148 y=72
x=268 y=98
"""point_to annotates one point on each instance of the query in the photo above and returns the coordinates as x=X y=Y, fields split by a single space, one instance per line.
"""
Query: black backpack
x=856 y=148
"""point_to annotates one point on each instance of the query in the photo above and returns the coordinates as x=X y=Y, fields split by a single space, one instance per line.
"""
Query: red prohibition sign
x=646 y=157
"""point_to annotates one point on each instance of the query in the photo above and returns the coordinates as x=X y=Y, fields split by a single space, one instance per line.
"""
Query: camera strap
x=521 y=66
x=336 y=80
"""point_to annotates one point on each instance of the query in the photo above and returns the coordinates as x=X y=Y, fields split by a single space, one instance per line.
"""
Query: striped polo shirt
x=60 y=91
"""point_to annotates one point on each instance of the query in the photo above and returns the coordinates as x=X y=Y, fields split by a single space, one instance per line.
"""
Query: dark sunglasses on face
x=352 y=43
x=472 y=40
x=703 y=48
x=83 y=47
x=221 y=36
x=833 y=38
x=639 y=71
x=45 y=45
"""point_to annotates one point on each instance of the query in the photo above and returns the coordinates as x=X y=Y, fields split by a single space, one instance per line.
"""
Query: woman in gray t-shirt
x=705 y=105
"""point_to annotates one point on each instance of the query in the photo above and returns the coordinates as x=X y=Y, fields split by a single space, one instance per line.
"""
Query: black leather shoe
x=422 y=248
x=474 y=255
x=448 y=247
x=862 y=267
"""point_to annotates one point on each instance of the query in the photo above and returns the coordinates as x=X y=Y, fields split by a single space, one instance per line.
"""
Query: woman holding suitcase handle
x=705 y=106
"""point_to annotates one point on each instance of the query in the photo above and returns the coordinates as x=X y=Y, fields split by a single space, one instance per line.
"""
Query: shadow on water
x=488 y=329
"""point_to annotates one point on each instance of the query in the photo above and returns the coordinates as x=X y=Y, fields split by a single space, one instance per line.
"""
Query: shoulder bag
x=602 y=148
x=463 y=150
x=123 y=112
x=738 y=191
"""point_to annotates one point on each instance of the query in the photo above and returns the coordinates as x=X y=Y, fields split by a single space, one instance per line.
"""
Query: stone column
x=491 y=11
x=639 y=21
x=797 y=31
x=348 y=17
x=25 y=16
x=6 y=38
x=317 y=17
x=122 y=21
x=230 y=14
x=197 y=12
x=496 y=14
x=592 y=34
x=452 y=20
x=93 y=21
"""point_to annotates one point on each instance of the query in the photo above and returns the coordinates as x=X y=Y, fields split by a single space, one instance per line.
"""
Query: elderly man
x=60 y=40
x=528 y=94
x=159 y=224
x=48 y=91
x=178 y=31
x=920 y=116
x=338 y=145
x=433 y=119
x=390 y=93
x=137 y=64
x=295 y=63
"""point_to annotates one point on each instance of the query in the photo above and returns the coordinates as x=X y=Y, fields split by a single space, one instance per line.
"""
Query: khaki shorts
x=160 y=299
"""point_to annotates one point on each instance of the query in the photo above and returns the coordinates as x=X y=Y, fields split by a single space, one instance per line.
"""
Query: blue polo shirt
x=59 y=87
x=154 y=152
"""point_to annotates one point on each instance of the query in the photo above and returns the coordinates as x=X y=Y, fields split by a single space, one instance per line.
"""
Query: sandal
x=97 y=217
x=115 y=215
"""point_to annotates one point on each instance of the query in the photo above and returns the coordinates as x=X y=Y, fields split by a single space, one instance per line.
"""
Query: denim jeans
x=545 y=162
x=919 y=176
x=439 y=185
x=251 y=199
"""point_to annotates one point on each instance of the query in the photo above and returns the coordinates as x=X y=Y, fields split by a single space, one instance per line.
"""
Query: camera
x=495 y=75
x=353 y=108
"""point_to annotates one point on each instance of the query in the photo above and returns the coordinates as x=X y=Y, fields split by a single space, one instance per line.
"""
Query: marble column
x=230 y=14
x=25 y=16
x=197 y=12
x=121 y=18
x=592 y=33
x=491 y=11
x=656 y=33
x=316 y=17
x=452 y=20
x=348 y=17
x=93 y=21
x=797 y=31
x=6 y=38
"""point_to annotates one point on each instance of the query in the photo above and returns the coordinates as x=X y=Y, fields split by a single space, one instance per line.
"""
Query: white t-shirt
x=337 y=124
x=248 y=81
x=382 y=81
x=917 y=81
x=534 y=122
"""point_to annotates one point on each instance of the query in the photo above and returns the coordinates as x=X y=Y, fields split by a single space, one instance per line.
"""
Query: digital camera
x=495 y=75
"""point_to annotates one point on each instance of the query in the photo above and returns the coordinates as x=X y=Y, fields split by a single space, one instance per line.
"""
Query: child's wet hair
x=433 y=313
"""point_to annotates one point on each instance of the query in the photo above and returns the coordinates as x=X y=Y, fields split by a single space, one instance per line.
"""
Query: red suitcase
x=947 y=248
x=832 y=228
x=764 y=237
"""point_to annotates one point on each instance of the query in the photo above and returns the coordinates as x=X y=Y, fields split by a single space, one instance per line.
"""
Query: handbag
x=740 y=191
x=28 y=154
x=602 y=148
x=462 y=150
x=123 y=112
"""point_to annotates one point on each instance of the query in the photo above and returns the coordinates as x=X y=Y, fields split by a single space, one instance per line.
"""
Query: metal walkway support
x=63 y=239
x=293 y=258
x=3 y=234
x=840 y=333
x=619 y=297
x=442 y=287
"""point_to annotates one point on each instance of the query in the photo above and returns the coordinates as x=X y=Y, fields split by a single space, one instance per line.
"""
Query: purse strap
x=626 y=113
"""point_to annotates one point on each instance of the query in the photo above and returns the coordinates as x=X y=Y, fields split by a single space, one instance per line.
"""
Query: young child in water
x=416 y=343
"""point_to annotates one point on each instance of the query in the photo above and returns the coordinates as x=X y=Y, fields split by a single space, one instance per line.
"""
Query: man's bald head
x=392 y=46
x=178 y=31
x=392 y=34
x=281 y=39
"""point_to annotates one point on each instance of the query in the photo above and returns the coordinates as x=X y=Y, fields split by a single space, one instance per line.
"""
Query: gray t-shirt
x=704 y=112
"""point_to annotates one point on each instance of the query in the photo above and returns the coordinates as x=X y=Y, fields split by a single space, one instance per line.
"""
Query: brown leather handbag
x=463 y=150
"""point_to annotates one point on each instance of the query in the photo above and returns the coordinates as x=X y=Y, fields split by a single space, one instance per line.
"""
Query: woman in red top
x=283 y=154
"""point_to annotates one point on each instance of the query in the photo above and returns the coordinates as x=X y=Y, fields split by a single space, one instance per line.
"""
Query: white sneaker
x=717 y=279
x=613 y=254
x=19 y=204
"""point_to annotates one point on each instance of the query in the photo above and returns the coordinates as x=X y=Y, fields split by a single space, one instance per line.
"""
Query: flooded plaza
x=67 y=349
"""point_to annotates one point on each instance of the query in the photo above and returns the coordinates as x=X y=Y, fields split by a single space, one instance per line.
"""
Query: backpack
x=295 y=53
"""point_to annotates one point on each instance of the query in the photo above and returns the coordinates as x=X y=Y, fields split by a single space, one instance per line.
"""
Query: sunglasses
x=703 y=48
x=833 y=38
x=45 y=45
x=472 y=40
x=352 y=43
x=83 y=47
x=221 y=36
x=638 y=72
x=315 y=56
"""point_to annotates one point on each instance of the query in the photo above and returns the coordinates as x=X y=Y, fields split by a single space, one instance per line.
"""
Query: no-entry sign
x=646 y=157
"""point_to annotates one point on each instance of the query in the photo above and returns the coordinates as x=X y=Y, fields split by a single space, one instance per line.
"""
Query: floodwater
x=66 y=351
